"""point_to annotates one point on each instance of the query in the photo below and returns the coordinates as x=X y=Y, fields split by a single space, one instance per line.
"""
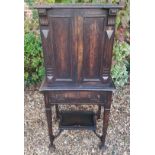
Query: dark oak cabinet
x=77 y=43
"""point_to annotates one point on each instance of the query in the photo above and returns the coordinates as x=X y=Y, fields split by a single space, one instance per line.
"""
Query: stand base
x=77 y=120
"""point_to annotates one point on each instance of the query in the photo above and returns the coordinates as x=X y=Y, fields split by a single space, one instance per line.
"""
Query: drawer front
x=76 y=97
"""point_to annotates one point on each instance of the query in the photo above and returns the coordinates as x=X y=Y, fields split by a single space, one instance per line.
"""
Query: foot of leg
x=106 y=115
x=102 y=146
x=52 y=148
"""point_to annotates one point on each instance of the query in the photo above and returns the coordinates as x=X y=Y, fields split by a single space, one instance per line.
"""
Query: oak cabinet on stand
x=77 y=41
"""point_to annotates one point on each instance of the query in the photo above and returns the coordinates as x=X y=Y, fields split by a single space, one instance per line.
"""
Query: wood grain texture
x=75 y=47
x=79 y=47
x=61 y=46
x=93 y=46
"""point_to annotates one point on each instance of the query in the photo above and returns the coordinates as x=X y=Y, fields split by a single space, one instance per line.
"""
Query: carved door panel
x=77 y=44
x=98 y=37
x=93 y=31
x=61 y=30
x=91 y=38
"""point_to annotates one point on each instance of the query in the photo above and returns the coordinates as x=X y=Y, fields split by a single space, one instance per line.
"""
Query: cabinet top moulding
x=78 y=6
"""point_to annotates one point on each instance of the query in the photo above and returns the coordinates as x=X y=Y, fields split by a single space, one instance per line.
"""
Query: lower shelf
x=77 y=120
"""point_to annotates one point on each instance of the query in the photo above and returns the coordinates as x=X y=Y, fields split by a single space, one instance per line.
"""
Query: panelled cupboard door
x=77 y=49
x=61 y=32
x=93 y=42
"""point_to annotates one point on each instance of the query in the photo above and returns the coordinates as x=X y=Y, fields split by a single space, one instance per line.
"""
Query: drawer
x=76 y=97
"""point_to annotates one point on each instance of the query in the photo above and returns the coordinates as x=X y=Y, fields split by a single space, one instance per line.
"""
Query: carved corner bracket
x=111 y=16
x=44 y=21
x=43 y=17
x=113 y=12
x=42 y=12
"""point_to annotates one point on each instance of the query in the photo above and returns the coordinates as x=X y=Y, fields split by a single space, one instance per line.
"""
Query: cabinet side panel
x=93 y=46
x=61 y=32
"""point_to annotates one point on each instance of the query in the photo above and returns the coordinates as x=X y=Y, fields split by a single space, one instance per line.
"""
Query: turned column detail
x=108 y=48
x=47 y=46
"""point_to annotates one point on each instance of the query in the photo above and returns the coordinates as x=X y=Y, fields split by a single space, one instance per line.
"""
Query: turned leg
x=99 y=112
x=49 y=119
x=57 y=111
x=106 y=115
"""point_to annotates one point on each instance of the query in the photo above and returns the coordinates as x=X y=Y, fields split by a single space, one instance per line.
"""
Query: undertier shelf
x=77 y=120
